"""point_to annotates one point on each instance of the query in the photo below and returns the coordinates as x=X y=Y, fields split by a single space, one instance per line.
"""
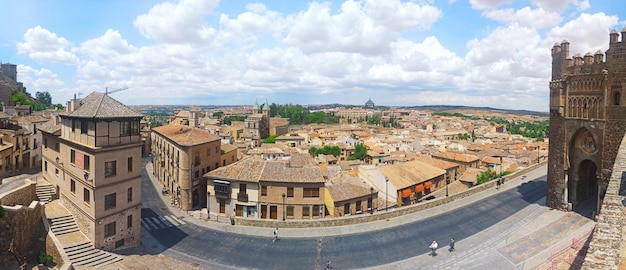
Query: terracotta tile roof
x=441 y=164
x=457 y=157
x=469 y=176
x=265 y=150
x=186 y=135
x=50 y=127
x=299 y=160
x=407 y=174
x=255 y=169
x=346 y=187
x=491 y=160
x=226 y=147
x=100 y=105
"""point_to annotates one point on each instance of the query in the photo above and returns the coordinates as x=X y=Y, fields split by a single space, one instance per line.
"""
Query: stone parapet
x=21 y=226
x=607 y=249
x=382 y=215
x=22 y=195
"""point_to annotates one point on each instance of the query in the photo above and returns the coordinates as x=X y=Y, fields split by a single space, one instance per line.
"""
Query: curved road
x=207 y=247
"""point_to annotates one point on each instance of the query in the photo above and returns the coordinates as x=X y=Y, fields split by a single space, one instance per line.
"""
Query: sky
x=493 y=53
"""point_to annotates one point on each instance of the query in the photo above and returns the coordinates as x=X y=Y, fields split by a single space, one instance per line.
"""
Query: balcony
x=242 y=197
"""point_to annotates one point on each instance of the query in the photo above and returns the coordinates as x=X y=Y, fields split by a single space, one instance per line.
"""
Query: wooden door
x=273 y=212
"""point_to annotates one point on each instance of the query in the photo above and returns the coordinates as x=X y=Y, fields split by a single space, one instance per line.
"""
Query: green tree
x=218 y=114
x=44 y=98
x=360 y=152
x=270 y=139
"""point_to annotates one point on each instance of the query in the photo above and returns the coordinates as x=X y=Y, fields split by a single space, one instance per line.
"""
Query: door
x=263 y=211
x=222 y=207
x=273 y=212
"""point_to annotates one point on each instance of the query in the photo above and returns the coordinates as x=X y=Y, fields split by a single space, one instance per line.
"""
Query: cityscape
x=281 y=176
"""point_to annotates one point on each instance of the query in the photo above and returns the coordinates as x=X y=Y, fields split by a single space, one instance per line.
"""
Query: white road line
x=171 y=220
x=156 y=221
x=178 y=220
x=145 y=225
x=167 y=223
x=150 y=222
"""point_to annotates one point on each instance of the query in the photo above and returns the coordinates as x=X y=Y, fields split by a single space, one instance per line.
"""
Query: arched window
x=616 y=98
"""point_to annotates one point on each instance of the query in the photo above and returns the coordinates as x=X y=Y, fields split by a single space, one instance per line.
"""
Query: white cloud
x=488 y=4
x=398 y=16
x=45 y=46
x=561 y=5
x=525 y=17
x=181 y=22
x=587 y=33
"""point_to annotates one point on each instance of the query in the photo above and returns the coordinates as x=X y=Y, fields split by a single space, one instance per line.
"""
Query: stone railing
x=607 y=249
x=382 y=215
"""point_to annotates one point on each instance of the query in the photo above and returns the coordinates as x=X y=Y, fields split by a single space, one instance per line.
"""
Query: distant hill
x=451 y=108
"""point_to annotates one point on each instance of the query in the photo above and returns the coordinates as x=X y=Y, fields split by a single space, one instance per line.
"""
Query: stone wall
x=22 y=225
x=85 y=223
x=23 y=195
x=607 y=249
x=382 y=215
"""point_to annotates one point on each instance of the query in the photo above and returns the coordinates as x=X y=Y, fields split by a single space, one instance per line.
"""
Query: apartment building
x=182 y=154
x=254 y=187
x=92 y=155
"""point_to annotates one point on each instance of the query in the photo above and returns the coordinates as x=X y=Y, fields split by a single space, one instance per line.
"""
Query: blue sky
x=492 y=53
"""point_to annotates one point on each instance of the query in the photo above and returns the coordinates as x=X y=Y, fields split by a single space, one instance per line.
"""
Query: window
x=45 y=142
x=208 y=152
x=306 y=211
x=369 y=204
x=35 y=143
x=316 y=211
x=358 y=206
x=73 y=125
x=290 y=192
x=617 y=98
x=86 y=162
x=129 y=221
x=217 y=164
x=217 y=150
x=110 y=168
x=197 y=174
x=130 y=164
x=290 y=211
x=110 y=201
x=56 y=171
x=125 y=128
x=134 y=127
x=86 y=197
x=83 y=127
x=242 y=188
x=311 y=193
x=109 y=229
x=346 y=209
x=221 y=188
x=45 y=166
x=130 y=194
x=263 y=190
x=72 y=186
x=73 y=156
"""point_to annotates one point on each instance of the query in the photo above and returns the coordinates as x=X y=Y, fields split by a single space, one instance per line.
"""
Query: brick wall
x=607 y=249
x=382 y=215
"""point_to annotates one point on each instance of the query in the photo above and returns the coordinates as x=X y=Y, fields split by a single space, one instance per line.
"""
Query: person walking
x=328 y=265
x=433 y=247
x=451 y=244
x=275 y=235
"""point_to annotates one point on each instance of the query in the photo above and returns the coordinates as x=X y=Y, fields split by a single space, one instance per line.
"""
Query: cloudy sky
x=492 y=53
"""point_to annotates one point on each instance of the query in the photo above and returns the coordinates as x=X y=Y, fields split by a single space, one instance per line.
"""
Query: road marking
x=156 y=221
x=167 y=223
x=145 y=225
x=178 y=220
x=171 y=220
x=150 y=222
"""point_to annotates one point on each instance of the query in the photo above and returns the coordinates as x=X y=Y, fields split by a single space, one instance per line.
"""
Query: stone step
x=111 y=258
x=64 y=230
x=81 y=255
x=92 y=257
x=63 y=225
x=77 y=247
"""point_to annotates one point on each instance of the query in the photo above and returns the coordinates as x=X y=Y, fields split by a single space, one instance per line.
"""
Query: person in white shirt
x=433 y=247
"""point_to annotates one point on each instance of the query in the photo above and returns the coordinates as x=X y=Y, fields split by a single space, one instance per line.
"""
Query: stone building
x=587 y=122
x=92 y=157
x=182 y=154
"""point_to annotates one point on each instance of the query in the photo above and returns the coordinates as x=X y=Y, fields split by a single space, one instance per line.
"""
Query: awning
x=428 y=184
x=221 y=182
x=406 y=193
x=419 y=188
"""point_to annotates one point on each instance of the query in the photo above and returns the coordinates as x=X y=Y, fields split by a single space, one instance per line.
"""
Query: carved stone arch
x=582 y=180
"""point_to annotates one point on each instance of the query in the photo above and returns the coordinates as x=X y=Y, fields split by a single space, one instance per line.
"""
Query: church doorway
x=586 y=188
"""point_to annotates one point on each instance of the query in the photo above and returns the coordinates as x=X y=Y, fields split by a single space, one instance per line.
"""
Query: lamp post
x=208 y=205
x=372 y=200
x=538 y=154
x=447 y=181
x=283 y=206
x=386 y=192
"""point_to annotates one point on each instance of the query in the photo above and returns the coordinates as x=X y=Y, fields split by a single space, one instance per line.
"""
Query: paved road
x=394 y=246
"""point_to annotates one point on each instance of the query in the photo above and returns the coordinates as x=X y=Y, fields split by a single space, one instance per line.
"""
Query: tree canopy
x=360 y=152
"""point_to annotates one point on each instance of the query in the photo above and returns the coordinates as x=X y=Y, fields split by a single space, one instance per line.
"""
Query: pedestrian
x=451 y=244
x=497 y=184
x=433 y=247
x=328 y=265
x=275 y=235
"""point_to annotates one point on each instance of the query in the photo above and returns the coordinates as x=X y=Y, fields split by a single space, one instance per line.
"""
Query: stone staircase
x=45 y=193
x=62 y=225
x=86 y=255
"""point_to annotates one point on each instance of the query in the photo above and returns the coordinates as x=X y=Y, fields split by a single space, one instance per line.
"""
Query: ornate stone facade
x=587 y=121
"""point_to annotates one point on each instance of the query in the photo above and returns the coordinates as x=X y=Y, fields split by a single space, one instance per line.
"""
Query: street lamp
x=208 y=205
x=372 y=199
x=283 y=206
x=537 y=154
x=447 y=181
x=386 y=192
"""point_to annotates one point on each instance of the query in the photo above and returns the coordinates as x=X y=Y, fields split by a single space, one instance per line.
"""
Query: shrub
x=44 y=258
